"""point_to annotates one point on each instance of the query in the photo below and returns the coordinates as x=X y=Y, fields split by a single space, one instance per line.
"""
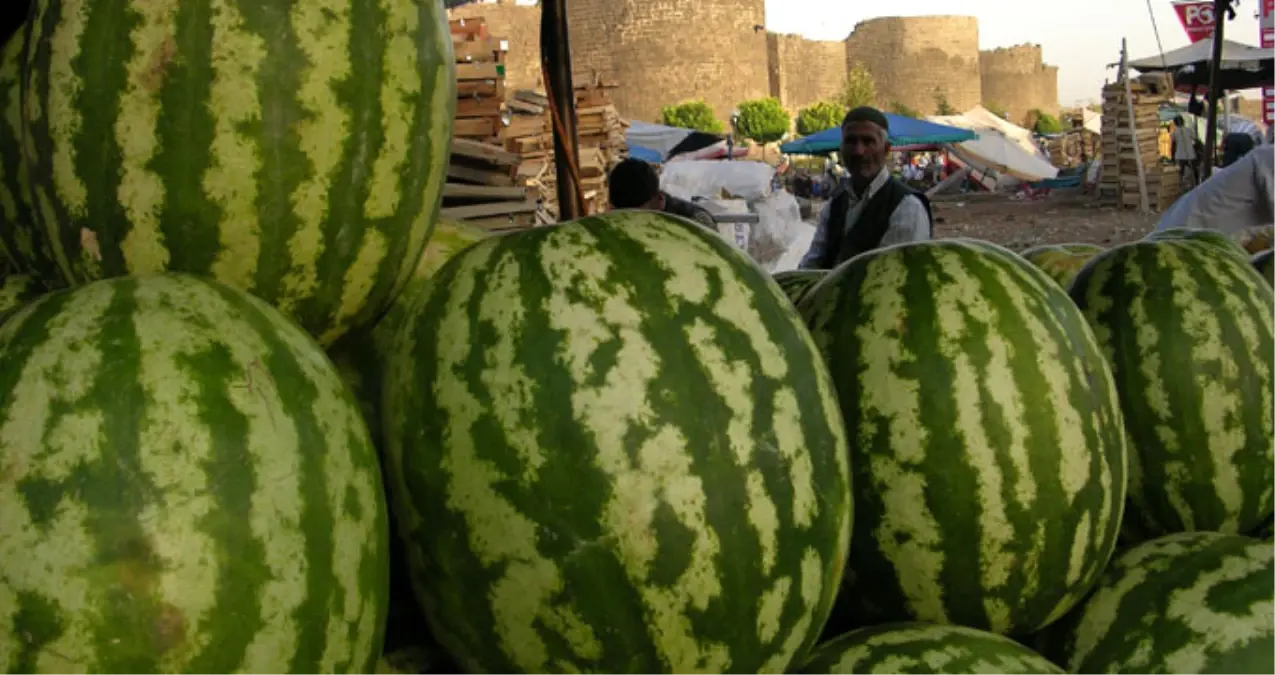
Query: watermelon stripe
x=983 y=330
x=296 y=150
x=1187 y=603
x=644 y=532
x=181 y=547
x=924 y=648
x=19 y=241
x=1226 y=312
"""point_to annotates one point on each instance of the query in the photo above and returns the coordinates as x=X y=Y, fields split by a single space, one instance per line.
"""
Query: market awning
x=903 y=131
x=1243 y=66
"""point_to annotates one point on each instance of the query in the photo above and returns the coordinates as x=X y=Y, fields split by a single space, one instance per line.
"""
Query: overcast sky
x=1078 y=36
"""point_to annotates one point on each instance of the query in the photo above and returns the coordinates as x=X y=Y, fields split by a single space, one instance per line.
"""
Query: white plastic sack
x=745 y=180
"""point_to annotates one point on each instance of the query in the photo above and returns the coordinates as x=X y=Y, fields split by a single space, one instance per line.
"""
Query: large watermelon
x=189 y=487
x=1196 y=602
x=924 y=648
x=1188 y=331
x=1211 y=238
x=797 y=283
x=985 y=437
x=1061 y=261
x=293 y=149
x=24 y=244
x=614 y=448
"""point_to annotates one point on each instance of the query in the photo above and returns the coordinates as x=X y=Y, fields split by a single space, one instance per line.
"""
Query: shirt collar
x=872 y=187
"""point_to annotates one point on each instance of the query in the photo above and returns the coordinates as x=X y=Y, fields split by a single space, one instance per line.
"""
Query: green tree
x=819 y=116
x=1045 y=123
x=860 y=89
x=763 y=121
x=901 y=108
x=996 y=108
x=695 y=114
x=941 y=105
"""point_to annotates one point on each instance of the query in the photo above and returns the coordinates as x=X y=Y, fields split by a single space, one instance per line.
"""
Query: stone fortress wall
x=666 y=51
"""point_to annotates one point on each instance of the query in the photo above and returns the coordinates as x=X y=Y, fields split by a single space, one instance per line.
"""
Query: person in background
x=875 y=209
x=1183 y=138
x=633 y=184
x=1235 y=198
x=1235 y=145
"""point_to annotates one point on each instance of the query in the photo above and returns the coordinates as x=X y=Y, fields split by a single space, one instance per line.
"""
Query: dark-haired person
x=633 y=184
x=878 y=209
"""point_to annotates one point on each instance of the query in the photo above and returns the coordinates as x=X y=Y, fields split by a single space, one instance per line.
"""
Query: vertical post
x=1220 y=7
x=1143 y=199
x=555 y=61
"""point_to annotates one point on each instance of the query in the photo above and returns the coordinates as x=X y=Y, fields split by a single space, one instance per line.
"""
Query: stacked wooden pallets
x=481 y=187
x=1129 y=137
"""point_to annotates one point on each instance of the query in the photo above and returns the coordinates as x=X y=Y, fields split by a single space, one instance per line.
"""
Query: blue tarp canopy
x=645 y=154
x=903 y=131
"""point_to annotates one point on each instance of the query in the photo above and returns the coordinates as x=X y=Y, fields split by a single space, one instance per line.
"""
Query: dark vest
x=868 y=231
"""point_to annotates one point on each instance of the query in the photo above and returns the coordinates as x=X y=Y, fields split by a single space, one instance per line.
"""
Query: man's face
x=863 y=149
x=655 y=203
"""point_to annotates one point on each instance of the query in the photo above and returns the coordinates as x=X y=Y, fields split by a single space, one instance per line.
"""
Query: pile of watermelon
x=261 y=410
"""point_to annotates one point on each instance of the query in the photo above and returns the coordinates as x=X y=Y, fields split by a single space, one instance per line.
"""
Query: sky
x=1079 y=36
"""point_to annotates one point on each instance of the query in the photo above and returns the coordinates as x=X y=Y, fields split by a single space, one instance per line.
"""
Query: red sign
x=1197 y=18
x=1267 y=26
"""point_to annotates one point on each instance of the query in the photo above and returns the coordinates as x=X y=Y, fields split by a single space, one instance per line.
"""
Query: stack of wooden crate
x=1127 y=138
x=480 y=79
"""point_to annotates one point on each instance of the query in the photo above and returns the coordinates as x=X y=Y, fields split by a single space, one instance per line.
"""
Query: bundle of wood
x=1130 y=132
x=480 y=79
x=599 y=133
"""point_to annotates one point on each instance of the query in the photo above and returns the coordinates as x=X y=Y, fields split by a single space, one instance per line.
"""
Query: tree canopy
x=819 y=116
x=695 y=114
x=860 y=89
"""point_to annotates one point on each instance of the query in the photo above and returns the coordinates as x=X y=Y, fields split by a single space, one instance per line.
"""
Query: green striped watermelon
x=1264 y=263
x=189 y=487
x=20 y=240
x=1188 y=331
x=1212 y=238
x=924 y=648
x=985 y=437
x=613 y=448
x=1061 y=261
x=797 y=283
x=16 y=290
x=1197 y=602
x=293 y=149
x=360 y=354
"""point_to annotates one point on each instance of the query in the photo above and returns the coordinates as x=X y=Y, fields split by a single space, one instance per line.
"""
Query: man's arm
x=703 y=217
x=909 y=222
x=820 y=241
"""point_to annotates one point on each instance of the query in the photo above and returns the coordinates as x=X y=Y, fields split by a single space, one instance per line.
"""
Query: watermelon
x=613 y=448
x=797 y=283
x=296 y=150
x=360 y=354
x=1264 y=263
x=1195 y=602
x=21 y=243
x=1188 y=331
x=189 y=487
x=1061 y=261
x=924 y=648
x=985 y=437
x=16 y=290
x=1211 y=238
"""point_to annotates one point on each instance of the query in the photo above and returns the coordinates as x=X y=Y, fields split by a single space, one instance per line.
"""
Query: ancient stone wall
x=1017 y=80
x=805 y=71
x=662 y=52
x=911 y=58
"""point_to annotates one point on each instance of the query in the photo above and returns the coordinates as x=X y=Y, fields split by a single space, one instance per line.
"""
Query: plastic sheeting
x=747 y=188
x=1001 y=147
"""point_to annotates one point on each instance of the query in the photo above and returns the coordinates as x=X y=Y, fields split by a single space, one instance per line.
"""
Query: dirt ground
x=1060 y=218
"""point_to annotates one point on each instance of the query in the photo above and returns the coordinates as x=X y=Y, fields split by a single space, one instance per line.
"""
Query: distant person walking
x=874 y=209
x=1184 y=142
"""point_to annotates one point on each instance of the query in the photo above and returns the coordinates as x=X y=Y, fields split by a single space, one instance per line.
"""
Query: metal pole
x=1215 y=85
x=555 y=56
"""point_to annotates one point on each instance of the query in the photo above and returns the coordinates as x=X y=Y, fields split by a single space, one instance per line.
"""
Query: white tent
x=1243 y=66
x=1002 y=147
